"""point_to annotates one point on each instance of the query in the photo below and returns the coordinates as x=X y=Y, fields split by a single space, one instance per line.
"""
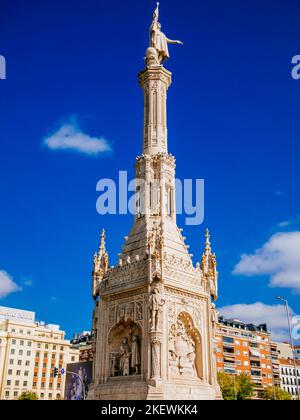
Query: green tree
x=239 y=387
x=28 y=396
x=245 y=387
x=281 y=395
x=226 y=383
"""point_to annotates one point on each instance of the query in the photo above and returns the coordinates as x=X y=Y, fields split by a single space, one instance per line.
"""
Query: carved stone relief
x=185 y=355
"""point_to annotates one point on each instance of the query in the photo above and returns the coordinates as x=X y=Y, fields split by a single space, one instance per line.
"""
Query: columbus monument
x=154 y=320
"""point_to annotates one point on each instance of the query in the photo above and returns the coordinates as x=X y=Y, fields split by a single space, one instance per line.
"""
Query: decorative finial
x=207 y=243
x=102 y=243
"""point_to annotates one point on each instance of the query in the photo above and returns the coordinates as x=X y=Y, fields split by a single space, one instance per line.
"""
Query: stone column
x=155 y=81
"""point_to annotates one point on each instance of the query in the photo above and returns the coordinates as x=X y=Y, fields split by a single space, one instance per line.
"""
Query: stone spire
x=207 y=243
x=209 y=268
x=101 y=264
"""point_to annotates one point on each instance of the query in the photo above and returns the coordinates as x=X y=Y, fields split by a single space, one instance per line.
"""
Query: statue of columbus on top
x=158 y=51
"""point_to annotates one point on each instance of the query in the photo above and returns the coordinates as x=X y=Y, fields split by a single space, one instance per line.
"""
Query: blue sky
x=233 y=119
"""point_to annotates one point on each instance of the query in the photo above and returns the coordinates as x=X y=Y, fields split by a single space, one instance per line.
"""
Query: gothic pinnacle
x=207 y=243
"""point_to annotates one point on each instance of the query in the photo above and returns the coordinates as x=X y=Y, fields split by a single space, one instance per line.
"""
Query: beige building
x=284 y=350
x=29 y=351
x=154 y=320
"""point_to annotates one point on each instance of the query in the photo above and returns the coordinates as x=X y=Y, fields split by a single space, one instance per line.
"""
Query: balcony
x=229 y=354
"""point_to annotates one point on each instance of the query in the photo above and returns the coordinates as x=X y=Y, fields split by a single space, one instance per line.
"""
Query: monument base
x=135 y=390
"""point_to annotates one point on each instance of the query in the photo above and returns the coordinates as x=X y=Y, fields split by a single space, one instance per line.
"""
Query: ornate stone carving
x=156 y=307
x=124 y=349
x=184 y=347
x=155 y=356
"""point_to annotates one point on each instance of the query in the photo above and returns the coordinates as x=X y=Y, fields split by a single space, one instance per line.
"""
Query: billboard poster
x=78 y=380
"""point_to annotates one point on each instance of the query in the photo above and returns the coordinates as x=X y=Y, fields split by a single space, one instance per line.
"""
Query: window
x=26 y=373
x=29 y=343
x=12 y=351
x=20 y=352
x=54 y=347
x=61 y=348
x=15 y=393
x=246 y=363
x=228 y=340
x=245 y=343
x=73 y=359
x=46 y=346
x=58 y=396
x=13 y=342
x=21 y=331
x=237 y=342
x=8 y=382
x=25 y=383
x=18 y=373
x=34 y=385
x=11 y=362
x=50 y=396
x=238 y=352
x=19 y=362
x=42 y=395
x=28 y=353
x=27 y=363
x=7 y=394
x=21 y=342
x=17 y=383
x=9 y=372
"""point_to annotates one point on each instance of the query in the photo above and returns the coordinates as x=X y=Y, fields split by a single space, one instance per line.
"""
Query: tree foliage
x=281 y=395
x=239 y=387
x=28 y=396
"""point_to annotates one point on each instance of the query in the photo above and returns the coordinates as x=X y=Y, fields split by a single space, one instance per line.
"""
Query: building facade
x=154 y=319
x=84 y=343
x=29 y=351
x=297 y=352
x=290 y=377
x=247 y=349
x=285 y=350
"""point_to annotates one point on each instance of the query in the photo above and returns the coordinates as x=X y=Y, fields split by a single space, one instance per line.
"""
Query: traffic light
x=55 y=372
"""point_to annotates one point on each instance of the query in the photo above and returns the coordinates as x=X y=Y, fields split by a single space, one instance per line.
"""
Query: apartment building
x=290 y=380
x=297 y=352
x=29 y=350
x=247 y=348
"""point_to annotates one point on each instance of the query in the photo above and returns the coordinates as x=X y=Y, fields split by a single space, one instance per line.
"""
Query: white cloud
x=7 y=285
x=70 y=137
x=259 y=313
x=279 y=258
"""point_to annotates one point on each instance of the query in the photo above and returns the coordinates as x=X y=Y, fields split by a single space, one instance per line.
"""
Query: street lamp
x=292 y=341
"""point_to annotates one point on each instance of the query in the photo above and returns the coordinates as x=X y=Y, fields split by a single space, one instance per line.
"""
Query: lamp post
x=292 y=341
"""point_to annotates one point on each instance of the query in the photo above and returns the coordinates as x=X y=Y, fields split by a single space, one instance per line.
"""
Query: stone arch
x=185 y=348
x=124 y=346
